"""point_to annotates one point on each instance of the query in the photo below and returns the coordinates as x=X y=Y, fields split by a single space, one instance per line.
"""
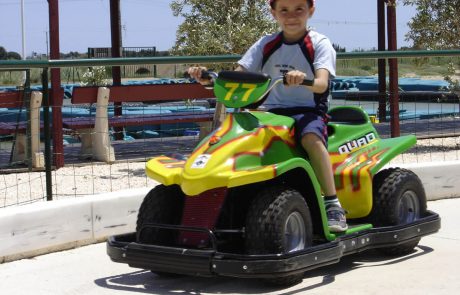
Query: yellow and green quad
x=246 y=202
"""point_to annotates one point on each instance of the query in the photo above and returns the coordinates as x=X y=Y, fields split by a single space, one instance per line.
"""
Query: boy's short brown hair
x=310 y=2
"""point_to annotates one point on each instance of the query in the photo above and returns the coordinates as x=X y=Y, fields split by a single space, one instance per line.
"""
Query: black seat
x=352 y=116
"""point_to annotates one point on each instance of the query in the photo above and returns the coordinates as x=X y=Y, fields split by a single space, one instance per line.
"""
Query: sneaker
x=336 y=219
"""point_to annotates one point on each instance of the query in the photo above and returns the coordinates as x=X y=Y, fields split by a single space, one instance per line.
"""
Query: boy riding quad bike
x=246 y=202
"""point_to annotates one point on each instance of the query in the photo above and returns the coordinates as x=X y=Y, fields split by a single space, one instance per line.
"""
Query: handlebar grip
x=206 y=75
x=305 y=82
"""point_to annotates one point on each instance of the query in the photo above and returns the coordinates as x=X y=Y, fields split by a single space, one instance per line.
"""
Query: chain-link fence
x=427 y=108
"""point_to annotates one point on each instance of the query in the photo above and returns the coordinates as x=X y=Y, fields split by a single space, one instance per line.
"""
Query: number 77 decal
x=234 y=86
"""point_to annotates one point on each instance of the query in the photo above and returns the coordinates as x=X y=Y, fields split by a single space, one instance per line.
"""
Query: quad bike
x=246 y=202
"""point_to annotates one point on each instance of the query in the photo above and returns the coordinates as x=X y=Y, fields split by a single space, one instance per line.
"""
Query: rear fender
x=354 y=171
x=357 y=154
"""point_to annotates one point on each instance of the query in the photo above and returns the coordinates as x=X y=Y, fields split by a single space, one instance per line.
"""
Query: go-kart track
x=247 y=204
x=253 y=208
x=431 y=269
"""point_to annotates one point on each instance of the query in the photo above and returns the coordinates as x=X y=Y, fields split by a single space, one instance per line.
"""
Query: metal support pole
x=56 y=99
x=393 y=70
x=47 y=134
x=155 y=74
x=382 y=62
x=26 y=99
x=115 y=26
x=23 y=25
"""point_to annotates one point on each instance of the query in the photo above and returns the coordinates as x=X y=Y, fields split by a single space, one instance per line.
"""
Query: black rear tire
x=278 y=221
x=399 y=198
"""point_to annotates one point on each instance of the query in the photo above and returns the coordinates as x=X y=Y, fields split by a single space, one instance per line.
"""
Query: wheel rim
x=294 y=231
x=409 y=209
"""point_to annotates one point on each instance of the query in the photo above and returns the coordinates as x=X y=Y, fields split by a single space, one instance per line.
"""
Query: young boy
x=299 y=53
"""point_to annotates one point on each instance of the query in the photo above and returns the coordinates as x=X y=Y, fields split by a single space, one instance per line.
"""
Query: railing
x=46 y=65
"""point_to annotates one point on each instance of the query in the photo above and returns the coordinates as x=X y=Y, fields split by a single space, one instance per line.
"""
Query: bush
x=142 y=71
x=94 y=76
x=14 y=55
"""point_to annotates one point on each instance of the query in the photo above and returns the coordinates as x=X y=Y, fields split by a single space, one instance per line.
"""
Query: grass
x=73 y=75
x=408 y=67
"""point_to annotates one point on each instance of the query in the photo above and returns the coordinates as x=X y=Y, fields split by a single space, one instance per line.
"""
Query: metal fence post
x=47 y=134
x=26 y=102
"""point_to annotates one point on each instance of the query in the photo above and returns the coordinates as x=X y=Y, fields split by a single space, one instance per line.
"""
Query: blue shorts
x=310 y=123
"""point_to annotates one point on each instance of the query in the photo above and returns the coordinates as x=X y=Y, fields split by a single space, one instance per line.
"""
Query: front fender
x=295 y=163
x=169 y=171
x=165 y=170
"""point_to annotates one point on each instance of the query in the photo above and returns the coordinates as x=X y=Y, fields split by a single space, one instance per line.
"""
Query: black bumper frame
x=209 y=262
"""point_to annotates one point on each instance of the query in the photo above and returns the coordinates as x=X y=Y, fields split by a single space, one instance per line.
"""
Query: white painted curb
x=441 y=180
x=44 y=227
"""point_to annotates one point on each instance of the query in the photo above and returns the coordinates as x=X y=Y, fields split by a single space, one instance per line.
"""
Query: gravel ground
x=72 y=181
x=76 y=180
x=432 y=150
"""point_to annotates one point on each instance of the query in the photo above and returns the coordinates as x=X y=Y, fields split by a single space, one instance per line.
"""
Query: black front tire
x=399 y=198
x=278 y=221
x=162 y=205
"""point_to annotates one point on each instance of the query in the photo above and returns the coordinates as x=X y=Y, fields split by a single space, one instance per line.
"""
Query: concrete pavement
x=431 y=269
x=35 y=229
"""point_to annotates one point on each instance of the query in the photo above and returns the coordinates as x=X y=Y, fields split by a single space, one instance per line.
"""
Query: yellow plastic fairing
x=165 y=170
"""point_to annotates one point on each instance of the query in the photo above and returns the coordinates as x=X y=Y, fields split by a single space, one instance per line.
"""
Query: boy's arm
x=320 y=84
x=195 y=73
x=240 y=68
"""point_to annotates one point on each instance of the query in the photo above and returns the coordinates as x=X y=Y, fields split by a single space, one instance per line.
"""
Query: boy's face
x=292 y=16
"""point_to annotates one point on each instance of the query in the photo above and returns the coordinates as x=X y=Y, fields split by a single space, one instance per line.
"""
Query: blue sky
x=86 y=23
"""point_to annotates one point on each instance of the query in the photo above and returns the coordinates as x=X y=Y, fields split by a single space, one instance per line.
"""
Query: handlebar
x=207 y=75
x=210 y=75
x=238 y=89
x=305 y=82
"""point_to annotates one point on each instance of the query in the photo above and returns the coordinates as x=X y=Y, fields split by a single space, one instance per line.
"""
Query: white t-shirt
x=273 y=56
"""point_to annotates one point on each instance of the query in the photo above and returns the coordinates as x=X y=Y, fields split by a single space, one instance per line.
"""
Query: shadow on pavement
x=144 y=281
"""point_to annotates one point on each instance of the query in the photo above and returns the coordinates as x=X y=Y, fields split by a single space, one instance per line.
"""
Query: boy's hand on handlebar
x=195 y=73
x=294 y=78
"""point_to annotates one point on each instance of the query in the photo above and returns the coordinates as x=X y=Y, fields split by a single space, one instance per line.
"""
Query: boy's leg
x=319 y=158
x=311 y=130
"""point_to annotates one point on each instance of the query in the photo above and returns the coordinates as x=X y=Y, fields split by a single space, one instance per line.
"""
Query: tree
x=436 y=24
x=13 y=55
x=214 y=27
x=3 y=53
x=338 y=48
